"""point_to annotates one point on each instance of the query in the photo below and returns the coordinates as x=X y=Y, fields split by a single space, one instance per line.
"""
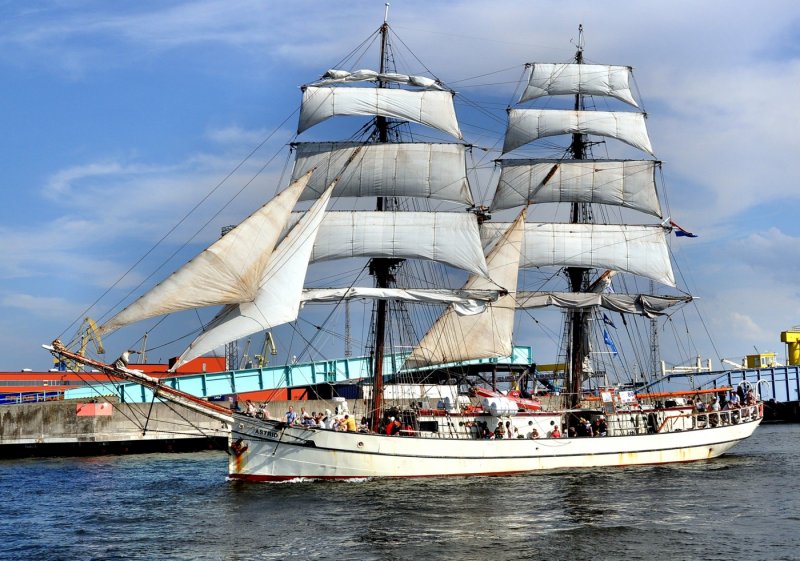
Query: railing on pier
x=783 y=381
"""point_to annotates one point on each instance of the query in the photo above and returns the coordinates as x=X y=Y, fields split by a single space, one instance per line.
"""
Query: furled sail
x=447 y=237
x=583 y=79
x=436 y=171
x=626 y=183
x=432 y=108
x=229 y=271
x=277 y=300
x=454 y=338
x=527 y=125
x=335 y=76
x=464 y=302
x=641 y=304
x=638 y=249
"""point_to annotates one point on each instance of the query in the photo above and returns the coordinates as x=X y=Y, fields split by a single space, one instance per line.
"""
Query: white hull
x=271 y=451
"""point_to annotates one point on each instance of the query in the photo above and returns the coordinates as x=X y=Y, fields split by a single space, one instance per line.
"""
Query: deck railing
x=712 y=419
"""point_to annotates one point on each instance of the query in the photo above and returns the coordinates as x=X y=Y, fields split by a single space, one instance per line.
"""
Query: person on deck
x=291 y=416
x=714 y=407
x=555 y=433
x=327 y=420
x=509 y=430
x=350 y=423
x=602 y=428
x=580 y=427
x=395 y=427
x=587 y=427
x=500 y=431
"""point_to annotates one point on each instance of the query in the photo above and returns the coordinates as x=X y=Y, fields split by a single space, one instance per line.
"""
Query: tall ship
x=569 y=231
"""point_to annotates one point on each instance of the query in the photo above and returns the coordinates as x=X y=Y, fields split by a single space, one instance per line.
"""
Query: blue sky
x=119 y=116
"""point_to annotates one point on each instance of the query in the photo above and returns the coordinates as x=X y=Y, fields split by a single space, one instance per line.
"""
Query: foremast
x=381 y=268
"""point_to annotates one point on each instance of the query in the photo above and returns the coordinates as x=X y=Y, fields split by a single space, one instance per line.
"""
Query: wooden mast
x=578 y=277
x=380 y=269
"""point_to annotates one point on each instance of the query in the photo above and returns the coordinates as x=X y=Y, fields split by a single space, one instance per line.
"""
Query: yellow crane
x=269 y=345
x=792 y=339
x=86 y=332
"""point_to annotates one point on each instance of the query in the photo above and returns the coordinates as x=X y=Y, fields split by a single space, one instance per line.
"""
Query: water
x=181 y=506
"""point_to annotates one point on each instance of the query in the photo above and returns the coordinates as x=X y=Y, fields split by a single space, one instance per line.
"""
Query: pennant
x=680 y=232
x=609 y=342
x=608 y=321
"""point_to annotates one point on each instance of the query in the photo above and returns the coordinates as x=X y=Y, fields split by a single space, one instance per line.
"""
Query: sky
x=119 y=117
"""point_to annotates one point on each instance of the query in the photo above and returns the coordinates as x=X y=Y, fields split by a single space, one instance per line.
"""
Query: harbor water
x=181 y=506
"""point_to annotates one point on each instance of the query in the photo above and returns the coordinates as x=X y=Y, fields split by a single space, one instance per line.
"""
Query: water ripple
x=181 y=506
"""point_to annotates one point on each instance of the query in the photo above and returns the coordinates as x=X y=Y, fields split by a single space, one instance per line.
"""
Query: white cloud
x=236 y=135
x=42 y=307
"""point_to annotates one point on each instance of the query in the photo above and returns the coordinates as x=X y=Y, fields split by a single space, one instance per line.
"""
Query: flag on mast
x=609 y=342
x=680 y=232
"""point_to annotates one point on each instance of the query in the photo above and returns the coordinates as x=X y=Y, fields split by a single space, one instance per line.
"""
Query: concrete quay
x=107 y=426
x=87 y=428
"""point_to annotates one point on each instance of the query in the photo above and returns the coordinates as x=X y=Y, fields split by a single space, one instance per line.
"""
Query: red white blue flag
x=680 y=232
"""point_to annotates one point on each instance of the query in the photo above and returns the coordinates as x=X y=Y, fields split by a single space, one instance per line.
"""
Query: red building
x=39 y=386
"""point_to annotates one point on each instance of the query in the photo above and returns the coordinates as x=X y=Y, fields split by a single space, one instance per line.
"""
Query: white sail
x=583 y=79
x=427 y=107
x=229 y=271
x=278 y=298
x=641 y=304
x=446 y=237
x=641 y=250
x=626 y=183
x=465 y=302
x=527 y=125
x=336 y=76
x=436 y=171
x=454 y=338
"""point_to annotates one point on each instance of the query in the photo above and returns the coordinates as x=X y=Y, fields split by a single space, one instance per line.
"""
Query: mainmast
x=578 y=320
x=381 y=269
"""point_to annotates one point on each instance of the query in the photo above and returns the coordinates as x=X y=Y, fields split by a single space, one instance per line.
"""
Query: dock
x=108 y=426
x=96 y=427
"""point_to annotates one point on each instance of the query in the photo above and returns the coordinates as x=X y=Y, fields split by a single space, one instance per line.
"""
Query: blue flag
x=608 y=321
x=609 y=342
